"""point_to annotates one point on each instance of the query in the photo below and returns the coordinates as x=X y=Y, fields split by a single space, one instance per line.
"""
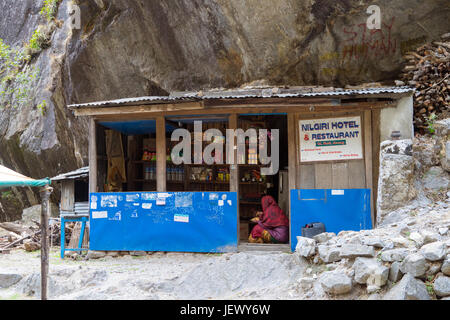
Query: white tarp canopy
x=10 y=178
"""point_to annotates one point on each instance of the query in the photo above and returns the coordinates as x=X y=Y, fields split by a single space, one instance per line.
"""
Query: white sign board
x=330 y=139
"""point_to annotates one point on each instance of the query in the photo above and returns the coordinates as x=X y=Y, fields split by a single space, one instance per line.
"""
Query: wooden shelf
x=249 y=203
x=208 y=182
x=253 y=183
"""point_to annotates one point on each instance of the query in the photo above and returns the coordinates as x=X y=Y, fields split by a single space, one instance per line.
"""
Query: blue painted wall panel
x=184 y=221
x=339 y=210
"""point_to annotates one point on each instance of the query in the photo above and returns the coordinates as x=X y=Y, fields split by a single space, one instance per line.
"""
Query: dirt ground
x=157 y=276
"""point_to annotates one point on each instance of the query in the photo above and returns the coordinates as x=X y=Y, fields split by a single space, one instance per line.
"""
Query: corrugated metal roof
x=76 y=174
x=296 y=92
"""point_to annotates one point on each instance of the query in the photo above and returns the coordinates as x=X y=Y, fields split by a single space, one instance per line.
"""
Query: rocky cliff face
x=133 y=48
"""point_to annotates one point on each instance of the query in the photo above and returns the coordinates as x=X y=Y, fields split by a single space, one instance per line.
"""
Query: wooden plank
x=340 y=175
x=376 y=157
x=357 y=174
x=161 y=157
x=307 y=176
x=323 y=176
x=292 y=150
x=67 y=195
x=92 y=155
x=368 y=158
x=137 y=112
x=298 y=175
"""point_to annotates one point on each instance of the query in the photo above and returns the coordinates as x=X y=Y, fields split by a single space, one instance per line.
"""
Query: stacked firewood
x=29 y=237
x=428 y=70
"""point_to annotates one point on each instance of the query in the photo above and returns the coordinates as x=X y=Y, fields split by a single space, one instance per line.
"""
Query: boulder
x=417 y=238
x=436 y=179
x=369 y=271
x=376 y=242
x=395 y=274
x=429 y=236
x=9 y=279
x=306 y=247
x=335 y=282
x=329 y=254
x=408 y=288
x=434 y=251
x=95 y=254
x=415 y=265
x=324 y=236
x=441 y=286
x=355 y=250
x=306 y=283
x=396 y=179
x=446 y=267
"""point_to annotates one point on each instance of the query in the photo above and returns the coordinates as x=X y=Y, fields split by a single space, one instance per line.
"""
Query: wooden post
x=161 y=157
x=45 y=208
x=292 y=161
x=92 y=156
x=368 y=160
x=234 y=169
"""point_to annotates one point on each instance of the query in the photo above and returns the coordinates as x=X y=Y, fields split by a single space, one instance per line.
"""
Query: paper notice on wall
x=93 y=205
x=161 y=201
x=181 y=218
x=146 y=206
x=330 y=139
x=337 y=192
x=99 y=214
x=220 y=203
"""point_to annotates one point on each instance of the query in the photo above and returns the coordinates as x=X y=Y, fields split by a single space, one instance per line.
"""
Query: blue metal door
x=338 y=210
x=169 y=221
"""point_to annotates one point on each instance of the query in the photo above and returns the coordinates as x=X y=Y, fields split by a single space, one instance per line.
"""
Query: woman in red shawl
x=273 y=225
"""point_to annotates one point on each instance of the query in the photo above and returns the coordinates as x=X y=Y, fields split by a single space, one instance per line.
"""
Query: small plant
x=37 y=41
x=42 y=107
x=430 y=123
x=49 y=9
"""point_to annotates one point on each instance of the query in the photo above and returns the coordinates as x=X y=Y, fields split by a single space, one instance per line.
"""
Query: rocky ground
x=401 y=260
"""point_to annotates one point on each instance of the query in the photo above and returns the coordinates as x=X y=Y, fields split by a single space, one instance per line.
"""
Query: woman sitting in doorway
x=272 y=224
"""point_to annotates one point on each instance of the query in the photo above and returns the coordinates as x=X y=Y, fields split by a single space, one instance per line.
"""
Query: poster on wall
x=330 y=139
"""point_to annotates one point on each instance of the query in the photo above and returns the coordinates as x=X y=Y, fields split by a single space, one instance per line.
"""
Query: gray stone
x=335 y=282
x=446 y=267
x=324 y=236
x=443 y=231
x=396 y=182
x=401 y=242
x=429 y=236
x=306 y=283
x=441 y=286
x=433 y=268
x=376 y=242
x=369 y=271
x=414 y=264
x=95 y=254
x=306 y=247
x=436 y=179
x=395 y=274
x=9 y=279
x=434 y=251
x=355 y=250
x=417 y=238
x=329 y=254
x=408 y=288
x=394 y=255
x=138 y=253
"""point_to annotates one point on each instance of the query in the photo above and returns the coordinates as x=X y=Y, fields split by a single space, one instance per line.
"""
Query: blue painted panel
x=339 y=210
x=170 y=221
x=135 y=127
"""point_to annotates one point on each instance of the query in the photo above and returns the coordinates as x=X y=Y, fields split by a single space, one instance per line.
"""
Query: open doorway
x=253 y=185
